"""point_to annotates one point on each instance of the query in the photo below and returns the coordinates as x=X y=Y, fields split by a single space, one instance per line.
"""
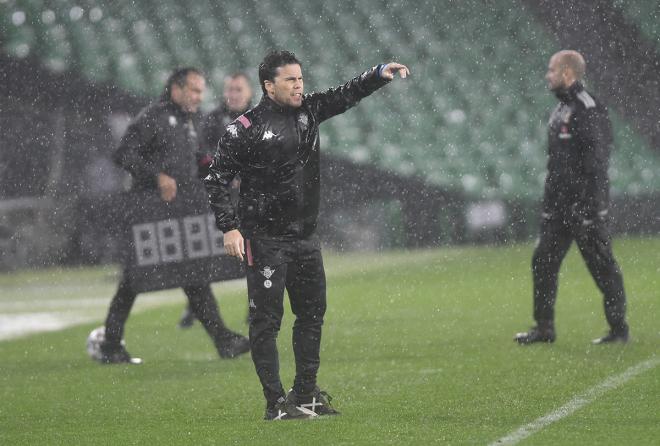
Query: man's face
x=191 y=94
x=237 y=94
x=287 y=87
x=556 y=74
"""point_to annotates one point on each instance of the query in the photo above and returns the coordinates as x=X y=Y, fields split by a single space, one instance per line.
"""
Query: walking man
x=160 y=150
x=575 y=202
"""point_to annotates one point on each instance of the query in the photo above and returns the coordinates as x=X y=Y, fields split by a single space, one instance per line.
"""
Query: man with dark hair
x=575 y=202
x=275 y=149
x=159 y=150
x=237 y=99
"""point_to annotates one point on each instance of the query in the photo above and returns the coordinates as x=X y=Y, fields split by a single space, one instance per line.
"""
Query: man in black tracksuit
x=275 y=149
x=161 y=151
x=575 y=202
x=237 y=99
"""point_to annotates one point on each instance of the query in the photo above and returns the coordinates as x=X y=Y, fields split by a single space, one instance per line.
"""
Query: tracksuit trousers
x=595 y=246
x=201 y=300
x=297 y=267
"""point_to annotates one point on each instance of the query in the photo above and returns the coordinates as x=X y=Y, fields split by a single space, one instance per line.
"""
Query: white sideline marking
x=577 y=402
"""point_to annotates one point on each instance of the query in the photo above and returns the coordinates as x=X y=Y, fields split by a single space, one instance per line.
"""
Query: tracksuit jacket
x=275 y=150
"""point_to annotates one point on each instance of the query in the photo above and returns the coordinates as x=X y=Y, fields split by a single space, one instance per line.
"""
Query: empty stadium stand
x=471 y=118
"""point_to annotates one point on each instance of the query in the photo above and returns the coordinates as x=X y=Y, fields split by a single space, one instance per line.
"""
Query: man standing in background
x=575 y=202
x=237 y=99
x=160 y=150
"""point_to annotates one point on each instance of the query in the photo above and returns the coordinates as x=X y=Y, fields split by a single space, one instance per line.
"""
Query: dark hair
x=179 y=77
x=274 y=60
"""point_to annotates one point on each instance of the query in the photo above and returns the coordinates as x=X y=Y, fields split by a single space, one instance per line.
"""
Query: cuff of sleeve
x=380 y=69
x=150 y=171
x=227 y=227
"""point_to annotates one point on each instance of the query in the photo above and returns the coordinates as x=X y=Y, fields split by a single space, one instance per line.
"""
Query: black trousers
x=296 y=266
x=201 y=300
x=595 y=246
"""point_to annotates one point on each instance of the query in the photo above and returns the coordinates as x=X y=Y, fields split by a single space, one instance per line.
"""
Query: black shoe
x=536 y=334
x=613 y=336
x=187 y=319
x=111 y=354
x=318 y=402
x=234 y=345
x=284 y=409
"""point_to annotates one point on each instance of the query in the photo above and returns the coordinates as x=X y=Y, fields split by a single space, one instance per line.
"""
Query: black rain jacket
x=579 y=145
x=215 y=124
x=161 y=138
x=275 y=151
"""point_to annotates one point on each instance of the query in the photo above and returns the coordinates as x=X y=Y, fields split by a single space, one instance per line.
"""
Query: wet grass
x=417 y=349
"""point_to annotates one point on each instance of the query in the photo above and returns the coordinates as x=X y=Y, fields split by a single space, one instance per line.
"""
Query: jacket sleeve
x=337 y=100
x=135 y=148
x=595 y=133
x=227 y=163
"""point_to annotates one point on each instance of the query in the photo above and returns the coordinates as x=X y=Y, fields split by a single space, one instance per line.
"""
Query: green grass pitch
x=417 y=349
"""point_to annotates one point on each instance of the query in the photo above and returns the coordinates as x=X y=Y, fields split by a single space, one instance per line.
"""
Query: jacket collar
x=224 y=111
x=569 y=94
x=269 y=104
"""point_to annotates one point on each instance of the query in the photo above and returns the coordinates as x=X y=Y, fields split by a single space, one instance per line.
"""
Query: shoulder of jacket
x=241 y=126
x=144 y=112
x=216 y=114
x=245 y=120
x=586 y=100
x=153 y=112
x=252 y=118
x=156 y=108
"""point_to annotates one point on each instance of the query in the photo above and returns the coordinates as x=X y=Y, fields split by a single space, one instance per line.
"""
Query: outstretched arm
x=337 y=100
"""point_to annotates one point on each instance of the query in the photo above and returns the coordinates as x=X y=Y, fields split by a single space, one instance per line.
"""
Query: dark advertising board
x=169 y=245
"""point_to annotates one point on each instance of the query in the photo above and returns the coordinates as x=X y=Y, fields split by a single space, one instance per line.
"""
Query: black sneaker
x=284 y=409
x=613 y=336
x=318 y=402
x=111 y=354
x=187 y=319
x=234 y=345
x=536 y=334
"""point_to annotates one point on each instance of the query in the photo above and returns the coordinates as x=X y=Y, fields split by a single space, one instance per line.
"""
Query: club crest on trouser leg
x=267 y=272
